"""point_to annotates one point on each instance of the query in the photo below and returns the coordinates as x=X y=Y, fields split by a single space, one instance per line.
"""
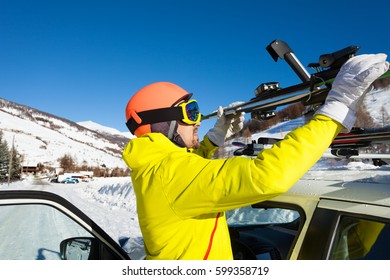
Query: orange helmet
x=154 y=96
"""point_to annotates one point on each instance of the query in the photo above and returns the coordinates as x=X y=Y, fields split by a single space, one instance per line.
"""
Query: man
x=182 y=194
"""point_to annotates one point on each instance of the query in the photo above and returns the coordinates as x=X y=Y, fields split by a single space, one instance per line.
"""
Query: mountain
x=378 y=105
x=104 y=129
x=44 y=138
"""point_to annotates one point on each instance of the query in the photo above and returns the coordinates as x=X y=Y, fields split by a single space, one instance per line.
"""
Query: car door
x=36 y=225
x=265 y=231
x=348 y=230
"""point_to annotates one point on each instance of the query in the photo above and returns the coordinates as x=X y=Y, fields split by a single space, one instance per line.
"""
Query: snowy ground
x=110 y=202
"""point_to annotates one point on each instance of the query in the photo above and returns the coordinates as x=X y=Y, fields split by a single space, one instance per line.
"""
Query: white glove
x=225 y=127
x=350 y=85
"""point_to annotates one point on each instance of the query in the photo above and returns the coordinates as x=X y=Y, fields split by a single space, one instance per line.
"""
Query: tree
x=247 y=134
x=10 y=161
x=385 y=117
x=4 y=158
x=16 y=165
x=67 y=163
x=363 y=118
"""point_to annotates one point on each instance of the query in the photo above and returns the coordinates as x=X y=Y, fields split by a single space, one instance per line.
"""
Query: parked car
x=53 y=180
x=70 y=181
x=315 y=220
x=318 y=220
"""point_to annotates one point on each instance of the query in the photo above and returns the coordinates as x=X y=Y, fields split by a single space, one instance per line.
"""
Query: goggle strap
x=155 y=116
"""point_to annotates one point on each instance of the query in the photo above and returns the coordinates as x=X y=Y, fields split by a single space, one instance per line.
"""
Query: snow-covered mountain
x=104 y=129
x=378 y=105
x=44 y=138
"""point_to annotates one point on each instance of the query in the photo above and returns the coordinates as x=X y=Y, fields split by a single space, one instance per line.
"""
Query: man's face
x=189 y=134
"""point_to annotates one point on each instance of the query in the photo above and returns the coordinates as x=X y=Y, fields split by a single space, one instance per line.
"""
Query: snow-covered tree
x=9 y=157
x=16 y=164
x=4 y=158
x=385 y=117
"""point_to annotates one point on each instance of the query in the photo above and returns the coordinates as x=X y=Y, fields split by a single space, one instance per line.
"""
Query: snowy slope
x=44 y=138
x=104 y=129
x=376 y=102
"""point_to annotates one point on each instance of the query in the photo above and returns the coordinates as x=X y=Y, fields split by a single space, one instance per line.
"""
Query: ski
x=378 y=159
x=345 y=145
x=360 y=137
x=313 y=89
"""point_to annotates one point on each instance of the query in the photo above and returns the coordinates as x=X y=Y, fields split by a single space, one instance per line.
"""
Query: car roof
x=354 y=191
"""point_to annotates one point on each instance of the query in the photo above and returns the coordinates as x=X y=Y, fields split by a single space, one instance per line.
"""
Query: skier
x=182 y=194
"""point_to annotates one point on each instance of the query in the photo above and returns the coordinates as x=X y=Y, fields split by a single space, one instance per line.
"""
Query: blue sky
x=83 y=60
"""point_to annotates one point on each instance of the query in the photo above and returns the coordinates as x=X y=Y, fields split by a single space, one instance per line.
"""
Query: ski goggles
x=190 y=111
x=186 y=112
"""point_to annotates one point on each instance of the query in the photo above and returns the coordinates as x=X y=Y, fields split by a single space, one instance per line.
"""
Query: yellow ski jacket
x=182 y=196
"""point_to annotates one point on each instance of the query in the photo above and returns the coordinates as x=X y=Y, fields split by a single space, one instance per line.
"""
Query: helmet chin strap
x=172 y=129
x=174 y=136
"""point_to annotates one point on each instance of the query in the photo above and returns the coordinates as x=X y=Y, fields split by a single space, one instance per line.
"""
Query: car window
x=35 y=231
x=263 y=233
x=360 y=238
x=254 y=215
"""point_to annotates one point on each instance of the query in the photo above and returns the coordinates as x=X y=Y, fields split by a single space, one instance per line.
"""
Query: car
x=314 y=220
x=39 y=225
x=53 y=180
x=70 y=181
x=318 y=220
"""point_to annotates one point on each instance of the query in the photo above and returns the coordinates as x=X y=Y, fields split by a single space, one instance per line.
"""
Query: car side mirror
x=79 y=248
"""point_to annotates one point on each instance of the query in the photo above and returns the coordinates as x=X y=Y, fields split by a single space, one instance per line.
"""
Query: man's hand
x=350 y=85
x=225 y=127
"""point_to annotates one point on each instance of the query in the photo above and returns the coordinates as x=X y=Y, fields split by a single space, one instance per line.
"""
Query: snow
x=376 y=102
x=98 y=127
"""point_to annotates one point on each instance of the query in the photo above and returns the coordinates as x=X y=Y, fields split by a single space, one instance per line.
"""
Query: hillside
x=44 y=138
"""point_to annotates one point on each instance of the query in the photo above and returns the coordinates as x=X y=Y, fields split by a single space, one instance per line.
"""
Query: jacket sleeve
x=206 y=149
x=225 y=184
